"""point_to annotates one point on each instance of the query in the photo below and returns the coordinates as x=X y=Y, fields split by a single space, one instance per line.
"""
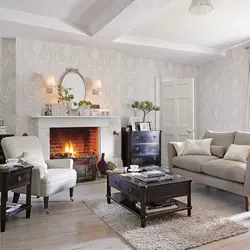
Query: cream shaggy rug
x=166 y=232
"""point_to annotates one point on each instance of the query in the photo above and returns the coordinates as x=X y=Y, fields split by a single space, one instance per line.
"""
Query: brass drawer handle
x=19 y=178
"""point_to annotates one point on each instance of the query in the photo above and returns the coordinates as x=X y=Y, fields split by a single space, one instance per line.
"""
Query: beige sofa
x=232 y=176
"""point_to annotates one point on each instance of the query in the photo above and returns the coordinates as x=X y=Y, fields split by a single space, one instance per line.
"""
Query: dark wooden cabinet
x=2 y=157
x=141 y=148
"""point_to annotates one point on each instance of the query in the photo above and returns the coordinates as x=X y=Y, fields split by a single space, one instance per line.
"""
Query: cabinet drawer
x=146 y=160
x=145 y=137
x=124 y=187
x=18 y=178
x=145 y=149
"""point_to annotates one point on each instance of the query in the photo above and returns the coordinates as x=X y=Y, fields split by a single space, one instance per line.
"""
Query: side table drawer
x=18 y=178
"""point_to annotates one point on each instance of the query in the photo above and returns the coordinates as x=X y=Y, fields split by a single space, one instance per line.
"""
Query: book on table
x=12 y=208
x=165 y=177
x=157 y=207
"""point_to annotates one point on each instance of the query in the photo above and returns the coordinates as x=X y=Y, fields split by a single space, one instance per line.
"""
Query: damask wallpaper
x=220 y=86
x=124 y=79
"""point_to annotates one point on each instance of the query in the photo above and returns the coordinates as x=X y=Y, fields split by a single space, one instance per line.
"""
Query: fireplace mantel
x=43 y=124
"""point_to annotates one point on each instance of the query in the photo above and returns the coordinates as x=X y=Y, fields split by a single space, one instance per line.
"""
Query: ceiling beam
x=134 y=40
x=136 y=13
x=38 y=21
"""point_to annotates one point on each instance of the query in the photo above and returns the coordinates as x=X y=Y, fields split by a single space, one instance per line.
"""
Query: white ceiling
x=162 y=29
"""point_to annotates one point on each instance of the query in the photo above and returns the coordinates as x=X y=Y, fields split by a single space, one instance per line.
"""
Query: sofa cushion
x=218 y=151
x=192 y=162
x=242 y=138
x=226 y=169
x=220 y=138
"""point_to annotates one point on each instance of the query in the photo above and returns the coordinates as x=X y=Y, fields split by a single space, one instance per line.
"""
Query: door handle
x=189 y=131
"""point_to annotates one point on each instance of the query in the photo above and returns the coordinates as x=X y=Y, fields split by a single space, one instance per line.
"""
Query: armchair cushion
x=60 y=163
x=57 y=180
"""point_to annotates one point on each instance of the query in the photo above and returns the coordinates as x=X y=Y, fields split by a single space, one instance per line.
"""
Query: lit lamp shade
x=50 y=84
x=97 y=85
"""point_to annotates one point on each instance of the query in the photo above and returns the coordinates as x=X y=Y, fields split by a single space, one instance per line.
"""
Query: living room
x=123 y=51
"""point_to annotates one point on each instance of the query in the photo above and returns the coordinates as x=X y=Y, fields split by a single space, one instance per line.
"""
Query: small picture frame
x=48 y=110
x=133 y=121
x=145 y=126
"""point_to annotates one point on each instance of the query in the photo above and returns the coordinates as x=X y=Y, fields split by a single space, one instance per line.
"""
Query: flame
x=69 y=148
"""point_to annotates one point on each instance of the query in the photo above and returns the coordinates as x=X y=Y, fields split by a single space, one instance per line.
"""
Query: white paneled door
x=177 y=112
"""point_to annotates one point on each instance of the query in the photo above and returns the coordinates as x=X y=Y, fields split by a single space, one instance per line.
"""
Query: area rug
x=174 y=231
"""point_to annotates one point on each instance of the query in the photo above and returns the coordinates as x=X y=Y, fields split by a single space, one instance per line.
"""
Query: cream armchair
x=47 y=179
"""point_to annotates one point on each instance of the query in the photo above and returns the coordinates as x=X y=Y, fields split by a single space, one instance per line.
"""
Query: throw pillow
x=34 y=160
x=237 y=153
x=218 y=151
x=198 y=147
x=179 y=147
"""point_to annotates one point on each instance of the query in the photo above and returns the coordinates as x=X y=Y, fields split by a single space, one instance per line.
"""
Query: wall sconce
x=97 y=85
x=50 y=84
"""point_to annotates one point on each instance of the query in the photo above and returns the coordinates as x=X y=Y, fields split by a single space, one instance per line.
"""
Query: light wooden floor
x=73 y=226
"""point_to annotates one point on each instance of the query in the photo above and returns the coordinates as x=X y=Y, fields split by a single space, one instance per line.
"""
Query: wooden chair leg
x=246 y=203
x=16 y=197
x=71 y=193
x=46 y=204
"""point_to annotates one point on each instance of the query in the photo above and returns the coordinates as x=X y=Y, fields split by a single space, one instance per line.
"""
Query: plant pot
x=85 y=111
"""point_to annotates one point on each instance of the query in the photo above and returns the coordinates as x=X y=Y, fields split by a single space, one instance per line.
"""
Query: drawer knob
x=19 y=178
x=137 y=148
x=137 y=137
x=154 y=136
x=115 y=181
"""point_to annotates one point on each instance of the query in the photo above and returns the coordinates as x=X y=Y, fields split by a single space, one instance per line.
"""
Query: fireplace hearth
x=79 y=144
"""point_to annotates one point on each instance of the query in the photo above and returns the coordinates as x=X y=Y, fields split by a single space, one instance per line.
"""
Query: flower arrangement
x=146 y=107
x=83 y=103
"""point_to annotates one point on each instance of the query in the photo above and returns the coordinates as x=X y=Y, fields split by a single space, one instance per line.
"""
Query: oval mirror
x=72 y=79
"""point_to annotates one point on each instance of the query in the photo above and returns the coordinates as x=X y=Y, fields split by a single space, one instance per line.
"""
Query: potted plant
x=84 y=106
x=65 y=97
x=146 y=107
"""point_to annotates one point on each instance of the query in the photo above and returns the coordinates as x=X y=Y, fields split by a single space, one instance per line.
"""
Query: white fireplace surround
x=43 y=124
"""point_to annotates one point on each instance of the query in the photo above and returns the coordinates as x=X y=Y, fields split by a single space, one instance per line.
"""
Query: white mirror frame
x=76 y=71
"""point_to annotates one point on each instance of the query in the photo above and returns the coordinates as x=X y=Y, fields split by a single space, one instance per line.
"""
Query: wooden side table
x=10 y=179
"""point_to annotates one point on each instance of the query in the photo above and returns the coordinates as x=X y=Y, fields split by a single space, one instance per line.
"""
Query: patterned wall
x=124 y=79
x=222 y=92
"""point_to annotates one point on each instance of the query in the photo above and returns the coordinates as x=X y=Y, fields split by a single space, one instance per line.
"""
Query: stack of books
x=153 y=176
x=158 y=207
x=2 y=130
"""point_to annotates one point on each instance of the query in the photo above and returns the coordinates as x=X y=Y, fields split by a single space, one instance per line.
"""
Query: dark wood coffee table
x=132 y=191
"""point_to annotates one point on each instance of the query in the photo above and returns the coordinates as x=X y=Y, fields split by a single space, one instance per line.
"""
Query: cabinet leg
x=28 y=200
x=108 y=191
x=3 y=208
x=143 y=222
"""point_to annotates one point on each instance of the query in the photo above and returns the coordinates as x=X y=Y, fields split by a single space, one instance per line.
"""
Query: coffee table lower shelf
x=129 y=204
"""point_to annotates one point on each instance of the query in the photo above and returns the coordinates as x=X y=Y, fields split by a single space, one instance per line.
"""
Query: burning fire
x=69 y=148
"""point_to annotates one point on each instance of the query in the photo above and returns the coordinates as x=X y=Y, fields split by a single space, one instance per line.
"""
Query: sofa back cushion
x=242 y=138
x=224 y=139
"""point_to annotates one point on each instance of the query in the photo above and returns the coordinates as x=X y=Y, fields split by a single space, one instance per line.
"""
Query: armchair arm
x=171 y=153
x=247 y=178
x=60 y=163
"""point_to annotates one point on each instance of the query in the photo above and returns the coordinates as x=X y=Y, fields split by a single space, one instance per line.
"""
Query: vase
x=85 y=111
x=68 y=106
x=102 y=165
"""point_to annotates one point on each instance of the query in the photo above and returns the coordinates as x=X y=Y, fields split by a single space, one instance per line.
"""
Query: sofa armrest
x=247 y=178
x=60 y=163
x=171 y=153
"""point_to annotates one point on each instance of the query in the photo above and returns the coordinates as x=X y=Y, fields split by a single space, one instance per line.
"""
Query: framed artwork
x=133 y=121
x=145 y=126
